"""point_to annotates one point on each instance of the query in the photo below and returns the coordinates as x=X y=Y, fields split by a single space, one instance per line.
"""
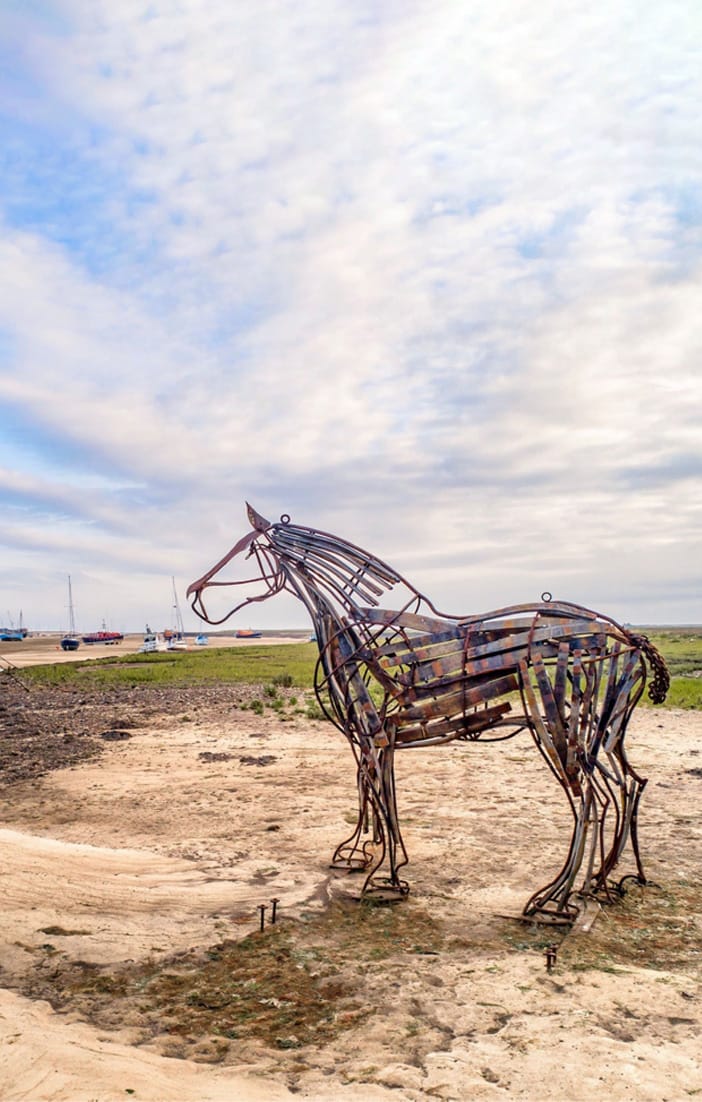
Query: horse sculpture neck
x=332 y=577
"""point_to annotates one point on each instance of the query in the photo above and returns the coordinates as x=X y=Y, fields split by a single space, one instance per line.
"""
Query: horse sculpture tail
x=660 y=679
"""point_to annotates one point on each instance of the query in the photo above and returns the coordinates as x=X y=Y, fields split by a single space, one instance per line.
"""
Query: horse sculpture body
x=413 y=677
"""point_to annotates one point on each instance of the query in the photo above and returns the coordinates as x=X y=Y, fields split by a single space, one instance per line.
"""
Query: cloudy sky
x=424 y=273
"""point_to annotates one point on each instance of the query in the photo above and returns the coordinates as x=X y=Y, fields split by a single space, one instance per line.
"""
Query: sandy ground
x=161 y=844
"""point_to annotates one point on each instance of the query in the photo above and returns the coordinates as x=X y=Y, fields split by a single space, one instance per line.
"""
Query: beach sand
x=40 y=650
x=169 y=840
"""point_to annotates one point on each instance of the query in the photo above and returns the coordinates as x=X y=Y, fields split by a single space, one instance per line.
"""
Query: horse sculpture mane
x=403 y=678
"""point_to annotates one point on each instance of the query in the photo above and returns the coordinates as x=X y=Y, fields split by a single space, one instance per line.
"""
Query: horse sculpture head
x=268 y=578
x=329 y=574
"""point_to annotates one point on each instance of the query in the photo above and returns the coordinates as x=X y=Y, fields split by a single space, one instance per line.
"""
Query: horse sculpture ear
x=256 y=520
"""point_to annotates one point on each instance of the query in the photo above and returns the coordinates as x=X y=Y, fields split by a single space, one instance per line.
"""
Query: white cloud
x=426 y=275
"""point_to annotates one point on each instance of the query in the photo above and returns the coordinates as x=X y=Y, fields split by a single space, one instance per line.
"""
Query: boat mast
x=180 y=629
x=71 y=615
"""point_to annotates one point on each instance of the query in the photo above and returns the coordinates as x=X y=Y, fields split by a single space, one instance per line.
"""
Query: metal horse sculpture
x=414 y=677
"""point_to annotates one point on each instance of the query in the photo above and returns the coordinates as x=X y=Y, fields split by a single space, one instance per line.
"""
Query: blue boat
x=70 y=640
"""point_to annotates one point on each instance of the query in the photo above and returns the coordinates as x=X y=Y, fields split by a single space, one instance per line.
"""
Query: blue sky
x=426 y=274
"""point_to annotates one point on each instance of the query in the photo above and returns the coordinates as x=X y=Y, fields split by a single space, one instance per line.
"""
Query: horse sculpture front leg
x=355 y=853
x=383 y=854
x=390 y=853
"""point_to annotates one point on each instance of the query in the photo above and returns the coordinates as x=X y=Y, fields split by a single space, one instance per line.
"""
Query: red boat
x=104 y=637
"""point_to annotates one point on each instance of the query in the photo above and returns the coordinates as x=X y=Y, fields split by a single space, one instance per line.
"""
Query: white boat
x=201 y=640
x=153 y=642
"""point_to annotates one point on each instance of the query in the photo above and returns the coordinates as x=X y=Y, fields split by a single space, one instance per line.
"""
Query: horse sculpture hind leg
x=581 y=735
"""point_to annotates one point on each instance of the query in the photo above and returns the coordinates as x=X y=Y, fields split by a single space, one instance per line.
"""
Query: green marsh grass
x=292 y=665
x=293 y=662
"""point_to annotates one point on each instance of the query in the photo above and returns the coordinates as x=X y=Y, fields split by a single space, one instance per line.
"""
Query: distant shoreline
x=44 y=649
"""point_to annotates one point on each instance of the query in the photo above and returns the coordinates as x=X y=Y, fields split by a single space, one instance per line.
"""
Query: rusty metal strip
x=452 y=703
x=552 y=714
x=468 y=722
x=561 y=676
x=439 y=675
x=410 y=620
x=538 y=726
x=429 y=647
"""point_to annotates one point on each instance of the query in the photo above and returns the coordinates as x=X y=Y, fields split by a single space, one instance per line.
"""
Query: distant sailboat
x=13 y=634
x=177 y=640
x=69 y=641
